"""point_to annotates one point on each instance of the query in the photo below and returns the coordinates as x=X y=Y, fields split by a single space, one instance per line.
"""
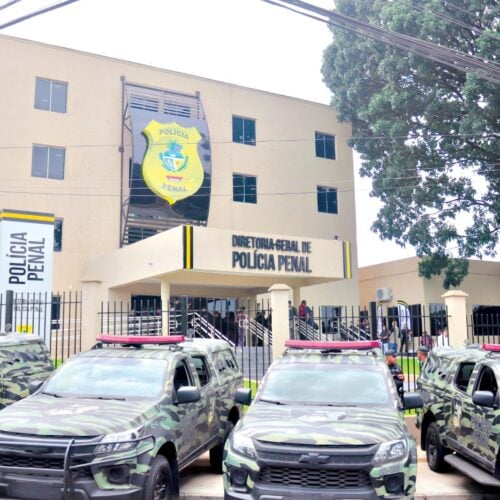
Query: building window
x=244 y=188
x=244 y=130
x=50 y=95
x=325 y=146
x=48 y=162
x=58 y=228
x=327 y=200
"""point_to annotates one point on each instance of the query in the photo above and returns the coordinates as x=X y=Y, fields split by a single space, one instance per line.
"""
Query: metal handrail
x=202 y=324
x=261 y=332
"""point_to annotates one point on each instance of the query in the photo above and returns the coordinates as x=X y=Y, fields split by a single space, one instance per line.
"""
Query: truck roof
x=313 y=356
x=18 y=338
x=158 y=351
x=472 y=352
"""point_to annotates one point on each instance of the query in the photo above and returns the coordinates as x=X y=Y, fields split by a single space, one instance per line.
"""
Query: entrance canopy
x=191 y=258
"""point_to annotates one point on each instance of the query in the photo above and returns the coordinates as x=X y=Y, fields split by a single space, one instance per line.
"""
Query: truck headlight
x=119 y=441
x=390 y=451
x=243 y=445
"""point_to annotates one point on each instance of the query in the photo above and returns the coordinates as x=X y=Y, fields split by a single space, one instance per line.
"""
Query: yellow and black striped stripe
x=20 y=215
x=187 y=241
x=346 y=251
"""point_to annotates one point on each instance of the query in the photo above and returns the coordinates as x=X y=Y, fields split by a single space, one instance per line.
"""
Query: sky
x=244 y=42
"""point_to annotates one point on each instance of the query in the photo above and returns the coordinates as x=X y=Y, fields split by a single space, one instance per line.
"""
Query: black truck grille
x=28 y=462
x=315 y=478
x=31 y=462
x=293 y=458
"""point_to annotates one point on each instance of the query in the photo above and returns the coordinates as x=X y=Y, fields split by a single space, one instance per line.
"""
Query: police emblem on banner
x=172 y=167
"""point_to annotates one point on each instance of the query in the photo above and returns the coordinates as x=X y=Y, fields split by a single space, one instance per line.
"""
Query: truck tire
x=217 y=452
x=159 y=480
x=434 y=449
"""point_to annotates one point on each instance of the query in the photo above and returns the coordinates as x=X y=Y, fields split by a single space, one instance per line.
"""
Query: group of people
x=395 y=335
x=404 y=336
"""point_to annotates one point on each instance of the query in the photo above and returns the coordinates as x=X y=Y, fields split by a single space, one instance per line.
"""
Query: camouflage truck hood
x=45 y=415
x=313 y=425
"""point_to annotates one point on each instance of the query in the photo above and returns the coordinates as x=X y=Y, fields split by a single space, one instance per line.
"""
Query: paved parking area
x=197 y=482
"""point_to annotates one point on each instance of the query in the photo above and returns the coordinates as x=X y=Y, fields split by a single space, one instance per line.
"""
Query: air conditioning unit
x=384 y=294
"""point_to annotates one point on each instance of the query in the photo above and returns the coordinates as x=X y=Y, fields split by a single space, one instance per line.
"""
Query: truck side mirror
x=412 y=400
x=188 y=394
x=484 y=398
x=34 y=385
x=243 y=396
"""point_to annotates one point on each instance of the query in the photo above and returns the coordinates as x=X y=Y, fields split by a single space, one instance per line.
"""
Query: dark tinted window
x=48 y=162
x=326 y=384
x=202 y=369
x=327 y=200
x=487 y=380
x=244 y=130
x=325 y=146
x=50 y=95
x=463 y=375
x=181 y=377
x=244 y=188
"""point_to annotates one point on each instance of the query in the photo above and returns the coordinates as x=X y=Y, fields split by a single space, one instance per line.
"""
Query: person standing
x=442 y=337
x=395 y=333
x=292 y=315
x=242 y=325
x=404 y=334
x=426 y=340
x=396 y=371
x=384 y=338
x=422 y=355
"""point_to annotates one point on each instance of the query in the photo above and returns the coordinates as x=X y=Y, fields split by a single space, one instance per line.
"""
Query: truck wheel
x=159 y=480
x=434 y=449
x=216 y=453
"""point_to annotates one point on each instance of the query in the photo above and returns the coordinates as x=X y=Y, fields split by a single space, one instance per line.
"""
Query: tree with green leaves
x=428 y=135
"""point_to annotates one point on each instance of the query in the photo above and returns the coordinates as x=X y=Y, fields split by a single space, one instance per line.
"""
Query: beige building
x=275 y=179
x=386 y=284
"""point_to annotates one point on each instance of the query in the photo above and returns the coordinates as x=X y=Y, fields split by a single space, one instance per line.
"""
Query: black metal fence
x=483 y=328
x=56 y=317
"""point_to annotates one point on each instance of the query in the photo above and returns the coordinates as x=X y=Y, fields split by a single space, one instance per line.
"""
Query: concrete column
x=281 y=330
x=456 y=305
x=296 y=297
x=91 y=307
x=165 y=306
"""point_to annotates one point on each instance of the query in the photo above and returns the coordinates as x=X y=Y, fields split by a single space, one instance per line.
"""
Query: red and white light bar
x=140 y=340
x=343 y=345
x=491 y=347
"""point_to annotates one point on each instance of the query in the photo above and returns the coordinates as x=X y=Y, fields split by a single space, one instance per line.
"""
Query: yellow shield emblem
x=172 y=168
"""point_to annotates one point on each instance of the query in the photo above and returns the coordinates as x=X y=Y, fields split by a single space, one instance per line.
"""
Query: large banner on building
x=170 y=175
x=26 y=262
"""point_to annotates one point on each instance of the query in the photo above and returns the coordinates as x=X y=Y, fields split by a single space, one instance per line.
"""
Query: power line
x=36 y=13
x=276 y=193
x=476 y=29
x=482 y=135
x=446 y=56
x=8 y=4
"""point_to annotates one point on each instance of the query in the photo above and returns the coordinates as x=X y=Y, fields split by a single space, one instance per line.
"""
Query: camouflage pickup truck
x=460 y=419
x=23 y=359
x=326 y=423
x=120 y=421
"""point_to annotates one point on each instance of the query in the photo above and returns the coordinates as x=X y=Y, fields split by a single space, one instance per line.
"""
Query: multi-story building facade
x=79 y=130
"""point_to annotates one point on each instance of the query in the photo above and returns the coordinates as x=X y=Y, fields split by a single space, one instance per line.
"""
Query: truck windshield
x=327 y=384
x=113 y=378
